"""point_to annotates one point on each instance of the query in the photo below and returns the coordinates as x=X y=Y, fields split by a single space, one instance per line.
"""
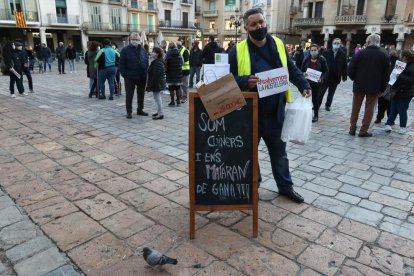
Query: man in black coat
x=337 y=70
x=370 y=72
x=209 y=50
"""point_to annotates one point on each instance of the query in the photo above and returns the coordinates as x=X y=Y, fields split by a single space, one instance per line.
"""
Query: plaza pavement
x=102 y=187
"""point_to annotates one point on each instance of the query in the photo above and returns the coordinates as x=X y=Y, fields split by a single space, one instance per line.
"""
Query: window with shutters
x=61 y=14
x=116 y=19
x=95 y=17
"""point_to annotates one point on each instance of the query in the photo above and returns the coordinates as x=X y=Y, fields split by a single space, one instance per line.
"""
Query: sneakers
x=388 y=128
x=402 y=130
x=13 y=95
x=26 y=94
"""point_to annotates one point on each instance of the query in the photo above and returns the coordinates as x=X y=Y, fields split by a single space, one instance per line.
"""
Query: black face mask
x=259 y=34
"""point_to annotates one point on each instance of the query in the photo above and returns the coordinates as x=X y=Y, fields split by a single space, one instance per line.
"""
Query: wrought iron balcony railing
x=210 y=13
x=318 y=21
x=389 y=19
x=175 y=24
x=31 y=16
x=68 y=19
x=350 y=19
x=106 y=27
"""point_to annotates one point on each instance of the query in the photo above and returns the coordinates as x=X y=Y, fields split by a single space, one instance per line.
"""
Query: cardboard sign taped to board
x=221 y=96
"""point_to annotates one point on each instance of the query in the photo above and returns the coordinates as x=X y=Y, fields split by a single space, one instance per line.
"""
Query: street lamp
x=236 y=20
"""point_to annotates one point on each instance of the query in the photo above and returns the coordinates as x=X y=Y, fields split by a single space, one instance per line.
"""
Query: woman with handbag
x=316 y=62
x=404 y=87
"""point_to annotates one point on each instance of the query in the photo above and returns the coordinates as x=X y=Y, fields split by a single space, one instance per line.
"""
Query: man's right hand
x=252 y=81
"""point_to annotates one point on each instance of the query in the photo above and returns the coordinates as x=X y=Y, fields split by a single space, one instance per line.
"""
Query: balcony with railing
x=68 y=19
x=168 y=1
x=210 y=13
x=31 y=16
x=389 y=19
x=148 y=29
x=152 y=7
x=186 y=2
x=105 y=27
x=210 y=31
x=308 y=22
x=351 y=20
x=175 y=24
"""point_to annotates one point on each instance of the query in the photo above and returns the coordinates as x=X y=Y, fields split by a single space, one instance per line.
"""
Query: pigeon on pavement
x=155 y=258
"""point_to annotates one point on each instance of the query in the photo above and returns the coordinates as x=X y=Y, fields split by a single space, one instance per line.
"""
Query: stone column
x=303 y=38
x=84 y=41
x=348 y=42
x=327 y=31
x=42 y=33
x=401 y=30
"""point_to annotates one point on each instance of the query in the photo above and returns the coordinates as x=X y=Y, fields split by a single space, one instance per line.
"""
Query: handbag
x=389 y=93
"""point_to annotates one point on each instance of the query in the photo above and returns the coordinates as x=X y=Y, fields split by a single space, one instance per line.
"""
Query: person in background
x=117 y=83
x=209 y=50
x=174 y=74
x=195 y=63
x=133 y=66
x=31 y=56
x=13 y=64
x=269 y=53
x=61 y=56
x=337 y=70
x=316 y=62
x=185 y=54
x=71 y=56
x=46 y=54
x=298 y=56
x=405 y=92
x=86 y=61
x=164 y=46
x=230 y=46
x=156 y=80
x=357 y=49
x=370 y=72
x=383 y=104
x=93 y=48
x=24 y=59
x=107 y=61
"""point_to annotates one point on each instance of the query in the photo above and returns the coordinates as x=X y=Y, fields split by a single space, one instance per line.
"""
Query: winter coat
x=91 y=64
x=133 y=63
x=321 y=66
x=156 y=76
x=405 y=82
x=44 y=53
x=12 y=60
x=208 y=52
x=195 y=58
x=337 y=65
x=61 y=52
x=370 y=71
x=173 y=62
x=71 y=53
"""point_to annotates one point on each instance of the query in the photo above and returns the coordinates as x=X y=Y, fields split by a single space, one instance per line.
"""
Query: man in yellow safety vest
x=258 y=53
x=185 y=53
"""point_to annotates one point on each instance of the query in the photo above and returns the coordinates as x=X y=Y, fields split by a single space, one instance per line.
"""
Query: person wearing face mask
x=107 y=60
x=405 y=92
x=318 y=63
x=13 y=64
x=370 y=72
x=156 y=80
x=337 y=70
x=258 y=53
x=133 y=66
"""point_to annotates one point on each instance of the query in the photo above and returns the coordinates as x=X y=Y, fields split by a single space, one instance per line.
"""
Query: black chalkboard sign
x=223 y=159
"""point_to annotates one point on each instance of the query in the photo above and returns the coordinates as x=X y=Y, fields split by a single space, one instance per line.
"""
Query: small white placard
x=398 y=68
x=272 y=82
x=313 y=75
x=212 y=72
x=221 y=58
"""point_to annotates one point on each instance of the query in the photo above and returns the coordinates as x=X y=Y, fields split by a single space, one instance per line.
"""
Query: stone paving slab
x=58 y=146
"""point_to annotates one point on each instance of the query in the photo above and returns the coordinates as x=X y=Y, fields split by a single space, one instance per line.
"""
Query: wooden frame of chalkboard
x=223 y=160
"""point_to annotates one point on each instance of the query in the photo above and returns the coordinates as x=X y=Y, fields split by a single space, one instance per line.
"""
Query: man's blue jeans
x=46 y=60
x=270 y=131
x=107 y=74
x=196 y=71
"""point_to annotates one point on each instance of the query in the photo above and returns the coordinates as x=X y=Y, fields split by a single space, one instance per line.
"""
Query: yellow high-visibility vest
x=243 y=60
x=186 y=64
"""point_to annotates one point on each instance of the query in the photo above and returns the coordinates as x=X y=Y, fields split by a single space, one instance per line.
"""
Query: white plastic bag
x=298 y=121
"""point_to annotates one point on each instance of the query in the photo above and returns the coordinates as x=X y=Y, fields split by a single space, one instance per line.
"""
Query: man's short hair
x=337 y=39
x=374 y=39
x=251 y=12
x=211 y=38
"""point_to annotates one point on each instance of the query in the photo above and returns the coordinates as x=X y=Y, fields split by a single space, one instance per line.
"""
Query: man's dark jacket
x=337 y=65
x=195 y=58
x=208 y=52
x=45 y=52
x=156 y=76
x=405 y=82
x=133 y=63
x=370 y=71
x=61 y=52
x=173 y=63
x=70 y=53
